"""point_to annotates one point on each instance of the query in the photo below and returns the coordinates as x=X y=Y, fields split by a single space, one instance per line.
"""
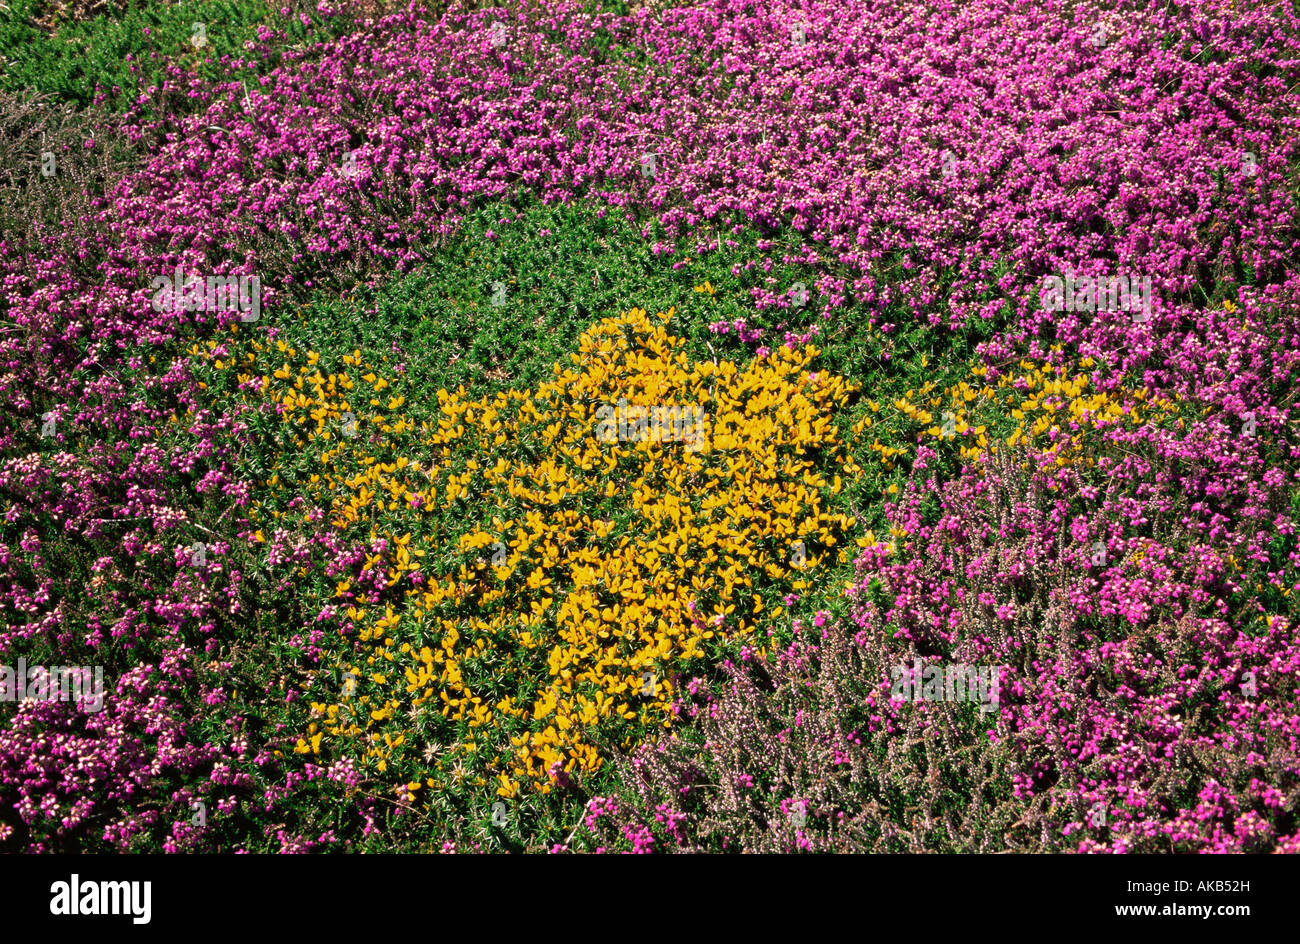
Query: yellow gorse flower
x=608 y=568
x=1047 y=402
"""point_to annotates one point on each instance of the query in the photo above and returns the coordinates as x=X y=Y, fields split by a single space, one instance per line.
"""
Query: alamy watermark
x=57 y=683
x=215 y=293
x=622 y=422
x=1098 y=293
x=957 y=682
x=76 y=897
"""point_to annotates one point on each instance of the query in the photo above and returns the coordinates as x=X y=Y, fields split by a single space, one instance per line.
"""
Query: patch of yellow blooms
x=1044 y=400
x=565 y=583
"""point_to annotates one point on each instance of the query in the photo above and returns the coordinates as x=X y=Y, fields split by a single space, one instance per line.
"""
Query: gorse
x=606 y=570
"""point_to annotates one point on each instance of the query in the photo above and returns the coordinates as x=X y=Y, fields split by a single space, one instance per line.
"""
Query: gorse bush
x=612 y=560
x=558 y=268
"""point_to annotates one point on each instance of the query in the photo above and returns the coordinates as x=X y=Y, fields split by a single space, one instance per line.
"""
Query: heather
x=362 y=573
x=1122 y=727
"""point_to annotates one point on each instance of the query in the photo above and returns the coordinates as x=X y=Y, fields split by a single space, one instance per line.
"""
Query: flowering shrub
x=791 y=752
x=330 y=614
x=1122 y=725
x=1148 y=700
x=605 y=570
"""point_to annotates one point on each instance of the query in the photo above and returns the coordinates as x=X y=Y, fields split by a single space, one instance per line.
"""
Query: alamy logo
x=958 y=682
x=624 y=423
x=1097 y=293
x=215 y=293
x=102 y=898
x=57 y=683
